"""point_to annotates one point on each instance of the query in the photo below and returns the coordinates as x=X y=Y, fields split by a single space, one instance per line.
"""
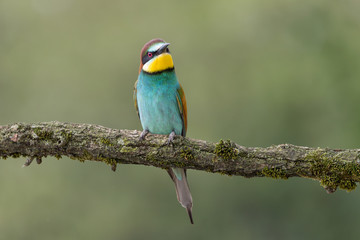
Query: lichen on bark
x=334 y=168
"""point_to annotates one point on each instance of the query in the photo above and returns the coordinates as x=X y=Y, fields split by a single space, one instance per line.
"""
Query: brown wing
x=135 y=99
x=181 y=100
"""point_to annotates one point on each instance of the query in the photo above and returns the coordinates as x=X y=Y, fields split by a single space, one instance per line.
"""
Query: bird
x=161 y=106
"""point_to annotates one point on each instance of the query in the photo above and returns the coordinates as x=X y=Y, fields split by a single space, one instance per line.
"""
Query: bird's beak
x=162 y=48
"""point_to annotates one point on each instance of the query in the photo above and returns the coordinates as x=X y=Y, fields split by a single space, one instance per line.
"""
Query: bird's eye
x=150 y=54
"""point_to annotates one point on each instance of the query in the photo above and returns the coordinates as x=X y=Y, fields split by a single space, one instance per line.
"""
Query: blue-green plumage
x=161 y=106
x=157 y=105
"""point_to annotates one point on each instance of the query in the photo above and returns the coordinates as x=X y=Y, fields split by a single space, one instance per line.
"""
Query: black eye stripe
x=151 y=54
x=146 y=57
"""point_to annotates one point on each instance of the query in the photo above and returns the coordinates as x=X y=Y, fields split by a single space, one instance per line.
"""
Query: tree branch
x=332 y=167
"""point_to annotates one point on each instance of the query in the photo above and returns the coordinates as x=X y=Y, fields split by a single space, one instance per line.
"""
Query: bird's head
x=155 y=57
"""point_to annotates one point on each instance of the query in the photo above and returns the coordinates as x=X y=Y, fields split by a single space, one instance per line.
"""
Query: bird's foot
x=143 y=134
x=171 y=138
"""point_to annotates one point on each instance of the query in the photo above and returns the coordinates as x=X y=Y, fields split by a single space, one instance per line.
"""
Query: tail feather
x=189 y=211
x=178 y=175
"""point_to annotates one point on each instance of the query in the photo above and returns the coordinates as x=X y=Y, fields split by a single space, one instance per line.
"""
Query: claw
x=143 y=134
x=171 y=137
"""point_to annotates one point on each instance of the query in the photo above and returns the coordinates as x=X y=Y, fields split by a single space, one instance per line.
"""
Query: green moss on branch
x=334 y=168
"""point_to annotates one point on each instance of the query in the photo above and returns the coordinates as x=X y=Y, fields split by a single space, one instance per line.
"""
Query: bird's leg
x=143 y=134
x=171 y=137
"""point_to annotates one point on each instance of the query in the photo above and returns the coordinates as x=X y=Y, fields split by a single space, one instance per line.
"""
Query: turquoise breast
x=157 y=104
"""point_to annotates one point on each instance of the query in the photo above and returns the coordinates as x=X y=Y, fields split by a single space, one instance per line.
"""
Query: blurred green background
x=254 y=71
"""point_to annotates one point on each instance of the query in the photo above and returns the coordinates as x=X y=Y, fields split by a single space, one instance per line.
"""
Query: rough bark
x=332 y=167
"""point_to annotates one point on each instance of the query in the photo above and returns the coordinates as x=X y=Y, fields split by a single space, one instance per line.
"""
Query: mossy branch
x=332 y=167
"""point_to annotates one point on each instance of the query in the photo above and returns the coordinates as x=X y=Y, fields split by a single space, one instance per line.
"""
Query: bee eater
x=161 y=106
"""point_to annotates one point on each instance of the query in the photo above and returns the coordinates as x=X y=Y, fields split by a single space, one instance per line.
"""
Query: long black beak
x=162 y=48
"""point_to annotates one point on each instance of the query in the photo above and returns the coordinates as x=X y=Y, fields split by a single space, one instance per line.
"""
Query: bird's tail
x=178 y=175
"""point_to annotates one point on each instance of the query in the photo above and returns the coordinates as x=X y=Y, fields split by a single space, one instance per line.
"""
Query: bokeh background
x=254 y=71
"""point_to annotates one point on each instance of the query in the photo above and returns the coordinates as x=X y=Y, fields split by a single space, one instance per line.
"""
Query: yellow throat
x=159 y=63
